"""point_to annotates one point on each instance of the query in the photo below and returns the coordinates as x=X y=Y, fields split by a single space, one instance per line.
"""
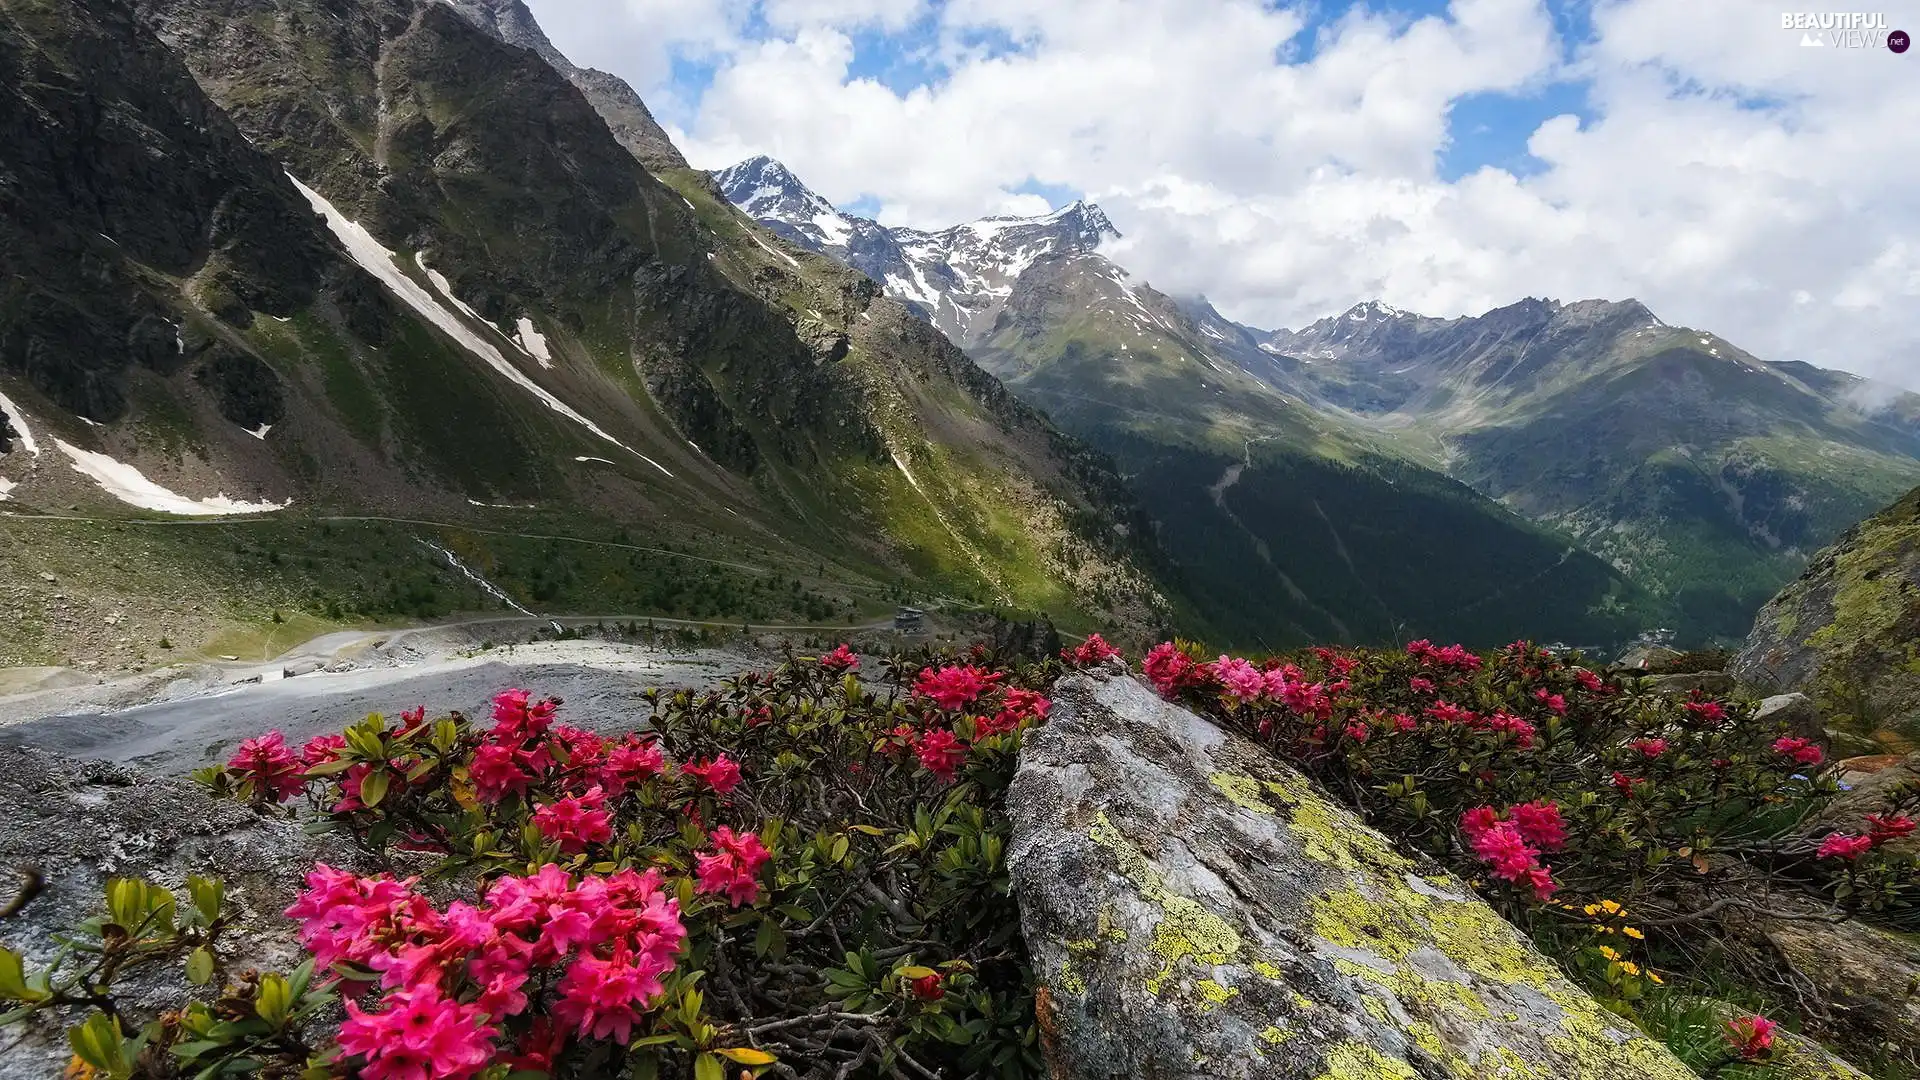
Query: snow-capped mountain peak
x=959 y=277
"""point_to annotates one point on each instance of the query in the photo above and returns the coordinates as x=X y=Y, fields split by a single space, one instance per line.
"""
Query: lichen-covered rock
x=1197 y=909
x=1886 y=790
x=1848 y=631
x=1868 y=979
x=79 y=823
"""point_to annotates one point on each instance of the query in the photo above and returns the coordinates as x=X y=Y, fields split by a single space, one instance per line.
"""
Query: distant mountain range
x=1701 y=475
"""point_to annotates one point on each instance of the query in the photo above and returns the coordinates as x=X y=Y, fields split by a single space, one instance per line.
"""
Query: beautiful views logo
x=1845 y=30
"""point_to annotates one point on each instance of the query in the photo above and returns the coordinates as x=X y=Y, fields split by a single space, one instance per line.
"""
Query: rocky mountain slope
x=1700 y=473
x=368 y=259
x=1290 y=523
x=1690 y=464
x=1847 y=631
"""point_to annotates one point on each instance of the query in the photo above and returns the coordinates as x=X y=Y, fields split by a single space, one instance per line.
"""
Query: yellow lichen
x=1241 y=791
x=1274 y=1036
x=1212 y=994
x=1358 y=1061
x=1266 y=970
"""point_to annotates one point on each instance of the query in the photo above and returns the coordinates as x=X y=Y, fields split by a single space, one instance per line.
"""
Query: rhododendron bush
x=801 y=873
x=797 y=873
x=1568 y=794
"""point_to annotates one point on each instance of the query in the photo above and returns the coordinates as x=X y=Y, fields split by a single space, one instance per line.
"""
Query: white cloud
x=1729 y=178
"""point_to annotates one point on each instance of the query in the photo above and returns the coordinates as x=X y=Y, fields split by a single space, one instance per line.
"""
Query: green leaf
x=207 y=895
x=746 y=1055
x=13 y=977
x=199 y=966
x=330 y=768
x=373 y=787
x=708 y=1067
x=97 y=1042
x=274 y=1001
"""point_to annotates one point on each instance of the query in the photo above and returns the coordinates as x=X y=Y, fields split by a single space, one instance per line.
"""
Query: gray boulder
x=1867 y=979
x=1198 y=909
x=78 y=823
x=1707 y=682
x=1794 y=712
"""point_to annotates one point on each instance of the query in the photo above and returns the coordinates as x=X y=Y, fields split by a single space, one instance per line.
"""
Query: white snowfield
x=378 y=261
x=6 y=486
x=124 y=482
x=18 y=421
x=534 y=342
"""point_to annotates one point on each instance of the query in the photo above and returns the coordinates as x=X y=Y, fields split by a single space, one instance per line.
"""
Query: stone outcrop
x=1198 y=909
x=79 y=823
x=1847 y=632
x=1867 y=978
x=1795 y=713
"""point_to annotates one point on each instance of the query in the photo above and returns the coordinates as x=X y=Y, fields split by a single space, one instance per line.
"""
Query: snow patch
x=6 y=486
x=834 y=228
x=601 y=460
x=261 y=432
x=534 y=342
x=124 y=482
x=378 y=261
x=446 y=289
x=17 y=420
x=771 y=250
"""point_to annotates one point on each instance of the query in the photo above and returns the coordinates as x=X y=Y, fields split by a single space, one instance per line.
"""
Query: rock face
x=1868 y=978
x=1847 y=633
x=1197 y=909
x=1794 y=712
x=79 y=823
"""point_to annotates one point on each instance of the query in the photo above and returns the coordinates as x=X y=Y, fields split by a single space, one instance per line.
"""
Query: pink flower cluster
x=1453 y=656
x=1090 y=652
x=1705 y=713
x=733 y=867
x=942 y=751
x=1751 y=1037
x=955 y=686
x=1499 y=723
x=265 y=761
x=451 y=977
x=1170 y=670
x=840 y=659
x=1511 y=844
x=1804 y=751
x=1881 y=829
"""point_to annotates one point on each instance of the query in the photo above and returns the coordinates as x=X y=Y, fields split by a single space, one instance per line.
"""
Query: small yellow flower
x=1633 y=933
x=1657 y=980
x=1591 y=909
x=1609 y=953
x=1610 y=907
x=1630 y=968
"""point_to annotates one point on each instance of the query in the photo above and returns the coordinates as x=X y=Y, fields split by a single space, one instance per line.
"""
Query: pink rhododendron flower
x=342 y=914
x=1167 y=668
x=516 y=721
x=413 y=718
x=1625 y=784
x=840 y=659
x=497 y=772
x=1709 y=713
x=1750 y=1037
x=722 y=774
x=733 y=867
x=576 y=821
x=1478 y=820
x=941 y=754
x=1541 y=824
x=602 y=999
x=1554 y=702
x=266 y=761
x=1845 y=846
x=1420 y=684
x=1882 y=828
x=1240 y=678
x=1649 y=748
x=322 y=748
x=631 y=762
x=1804 y=751
x=420 y=1035
x=954 y=687
x=1590 y=682
x=1090 y=652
